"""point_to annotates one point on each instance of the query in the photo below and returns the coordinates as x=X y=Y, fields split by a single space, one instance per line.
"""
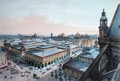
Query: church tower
x=103 y=29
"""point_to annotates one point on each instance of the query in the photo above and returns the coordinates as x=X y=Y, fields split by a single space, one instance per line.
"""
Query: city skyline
x=55 y=16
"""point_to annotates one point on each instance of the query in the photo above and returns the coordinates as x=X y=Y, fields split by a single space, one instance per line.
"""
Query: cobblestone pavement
x=27 y=77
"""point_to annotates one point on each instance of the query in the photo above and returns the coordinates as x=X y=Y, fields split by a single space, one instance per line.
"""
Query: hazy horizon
x=53 y=16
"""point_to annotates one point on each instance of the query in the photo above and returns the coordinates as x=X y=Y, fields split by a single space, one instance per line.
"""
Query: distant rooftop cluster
x=40 y=50
x=39 y=46
x=62 y=35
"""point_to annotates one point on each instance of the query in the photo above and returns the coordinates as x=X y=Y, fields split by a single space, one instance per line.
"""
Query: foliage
x=56 y=76
x=60 y=79
x=52 y=74
x=34 y=75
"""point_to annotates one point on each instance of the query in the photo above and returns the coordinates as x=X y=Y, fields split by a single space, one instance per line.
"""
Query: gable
x=115 y=25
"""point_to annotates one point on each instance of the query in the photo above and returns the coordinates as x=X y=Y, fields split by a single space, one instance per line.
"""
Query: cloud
x=37 y=24
x=24 y=16
x=72 y=12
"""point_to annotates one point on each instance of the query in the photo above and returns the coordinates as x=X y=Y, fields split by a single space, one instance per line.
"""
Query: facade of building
x=38 y=52
x=88 y=54
x=75 y=68
x=45 y=55
x=106 y=66
x=3 y=59
x=78 y=65
x=85 y=42
x=80 y=40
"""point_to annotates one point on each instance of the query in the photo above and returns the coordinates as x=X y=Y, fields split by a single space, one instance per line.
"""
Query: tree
x=38 y=65
x=35 y=35
x=60 y=69
x=34 y=75
x=42 y=65
x=49 y=63
x=35 y=64
x=45 y=64
x=55 y=71
x=56 y=76
x=69 y=79
x=52 y=74
x=60 y=74
x=65 y=76
x=60 y=78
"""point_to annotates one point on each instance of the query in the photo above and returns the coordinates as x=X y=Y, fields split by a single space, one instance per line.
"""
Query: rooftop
x=77 y=64
x=64 y=46
x=115 y=25
x=91 y=53
x=73 y=46
x=46 y=46
x=43 y=53
x=17 y=46
x=33 y=45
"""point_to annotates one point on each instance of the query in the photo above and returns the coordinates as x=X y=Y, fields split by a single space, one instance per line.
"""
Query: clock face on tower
x=101 y=23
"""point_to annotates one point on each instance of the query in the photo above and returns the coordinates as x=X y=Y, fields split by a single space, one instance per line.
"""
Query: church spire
x=103 y=19
x=103 y=28
x=103 y=13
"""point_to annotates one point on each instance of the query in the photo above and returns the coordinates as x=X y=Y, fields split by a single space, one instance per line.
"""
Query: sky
x=53 y=16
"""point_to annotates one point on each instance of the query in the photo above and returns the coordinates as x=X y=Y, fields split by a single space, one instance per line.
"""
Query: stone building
x=85 y=42
x=75 y=67
x=88 y=54
x=44 y=55
x=106 y=67
x=82 y=40
x=39 y=53
x=3 y=59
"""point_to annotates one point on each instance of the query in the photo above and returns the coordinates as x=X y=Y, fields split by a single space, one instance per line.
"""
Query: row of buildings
x=3 y=58
x=3 y=54
x=85 y=41
x=42 y=52
x=39 y=52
